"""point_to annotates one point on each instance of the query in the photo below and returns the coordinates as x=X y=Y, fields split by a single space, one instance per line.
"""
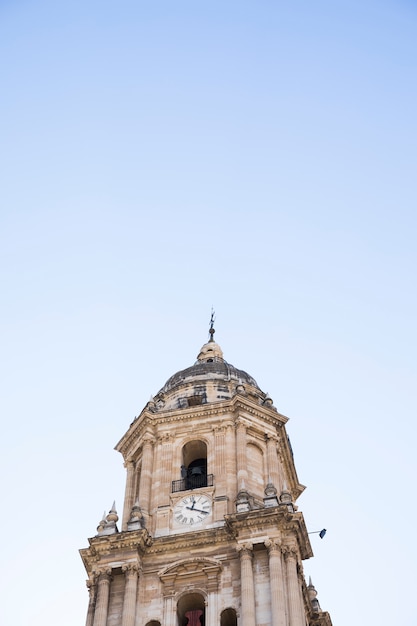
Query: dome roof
x=210 y=367
x=220 y=370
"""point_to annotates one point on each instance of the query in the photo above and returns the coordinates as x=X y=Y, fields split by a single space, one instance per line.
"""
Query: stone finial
x=312 y=594
x=107 y=525
x=136 y=520
x=271 y=498
x=112 y=516
x=242 y=500
x=286 y=498
x=270 y=489
x=102 y=523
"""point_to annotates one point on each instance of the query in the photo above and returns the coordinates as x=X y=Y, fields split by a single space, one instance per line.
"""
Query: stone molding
x=198 y=572
x=238 y=403
x=131 y=569
x=104 y=548
x=191 y=540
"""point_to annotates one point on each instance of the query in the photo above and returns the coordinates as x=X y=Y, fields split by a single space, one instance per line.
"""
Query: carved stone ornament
x=103 y=574
x=273 y=545
x=130 y=569
x=203 y=573
x=290 y=552
x=245 y=549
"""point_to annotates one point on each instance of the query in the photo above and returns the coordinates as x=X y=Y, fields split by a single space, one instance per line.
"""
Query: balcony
x=192 y=481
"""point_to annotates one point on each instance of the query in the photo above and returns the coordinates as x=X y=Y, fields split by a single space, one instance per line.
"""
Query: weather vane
x=212 y=320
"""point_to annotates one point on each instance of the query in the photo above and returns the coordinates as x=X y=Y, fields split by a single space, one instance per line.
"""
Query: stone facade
x=210 y=533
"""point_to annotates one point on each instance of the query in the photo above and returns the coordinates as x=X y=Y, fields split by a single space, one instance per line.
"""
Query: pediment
x=202 y=572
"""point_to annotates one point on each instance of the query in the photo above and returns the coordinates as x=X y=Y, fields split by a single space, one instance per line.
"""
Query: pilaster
x=103 y=593
x=247 y=585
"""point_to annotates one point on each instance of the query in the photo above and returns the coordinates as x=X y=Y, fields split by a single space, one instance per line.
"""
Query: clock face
x=192 y=510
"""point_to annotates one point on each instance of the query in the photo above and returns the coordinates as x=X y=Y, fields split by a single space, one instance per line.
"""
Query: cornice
x=191 y=539
x=151 y=421
x=320 y=619
x=102 y=547
x=242 y=524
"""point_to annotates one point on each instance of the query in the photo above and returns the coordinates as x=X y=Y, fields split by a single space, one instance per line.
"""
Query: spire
x=101 y=524
x=211 y=329
x=312 y=594
x=136 y=520
x=107 y=525
x=211 y=351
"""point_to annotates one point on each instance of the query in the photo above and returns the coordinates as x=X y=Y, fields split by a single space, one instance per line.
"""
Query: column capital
x=103 y=573
x=245 y=549
x=271 y=438
x=164 y=438
x=290 y=553
x=131 y=569
x=273 y=545
x=129 y=464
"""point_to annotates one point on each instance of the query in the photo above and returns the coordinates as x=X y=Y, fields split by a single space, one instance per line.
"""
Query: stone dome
x=210 y=379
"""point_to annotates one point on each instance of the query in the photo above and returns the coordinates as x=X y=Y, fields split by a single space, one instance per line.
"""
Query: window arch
x=191 y=610
x=194 y=464
x=228 y=617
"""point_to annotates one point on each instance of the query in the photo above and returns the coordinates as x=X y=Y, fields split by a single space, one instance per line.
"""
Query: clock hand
x=191 y=508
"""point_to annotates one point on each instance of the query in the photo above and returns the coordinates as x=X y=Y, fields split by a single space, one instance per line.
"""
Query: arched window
x=194 y=464
x=193 y=467
x=228 y=617
x=191 y=610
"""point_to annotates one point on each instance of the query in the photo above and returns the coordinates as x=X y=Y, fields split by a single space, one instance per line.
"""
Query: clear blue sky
x=158 y=158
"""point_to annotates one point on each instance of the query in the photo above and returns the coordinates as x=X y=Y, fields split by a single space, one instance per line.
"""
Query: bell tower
x=210 y=533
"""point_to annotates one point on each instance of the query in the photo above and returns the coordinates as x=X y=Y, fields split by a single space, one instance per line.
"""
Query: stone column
x=211 y=607
x=170 y=613
x=231 y=471
x=247 y=591
x=92 y=592
x=146 y=476
x=129 y=600
x=129 y=493
x=276 y=580
x=165 y=490
x=242 y=473
x=102 y=604
x=273 y=463
x=295 y=608
x=220 y=453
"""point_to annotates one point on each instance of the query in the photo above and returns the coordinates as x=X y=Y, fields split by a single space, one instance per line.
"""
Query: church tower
x=210 y=533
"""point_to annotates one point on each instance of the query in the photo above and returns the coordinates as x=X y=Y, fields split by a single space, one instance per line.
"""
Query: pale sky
x=158 y=158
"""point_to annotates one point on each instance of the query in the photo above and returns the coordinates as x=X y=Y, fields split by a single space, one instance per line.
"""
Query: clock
x=193 y=509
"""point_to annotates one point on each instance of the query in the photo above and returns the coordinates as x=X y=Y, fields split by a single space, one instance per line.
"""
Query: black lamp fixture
x=320 y=533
